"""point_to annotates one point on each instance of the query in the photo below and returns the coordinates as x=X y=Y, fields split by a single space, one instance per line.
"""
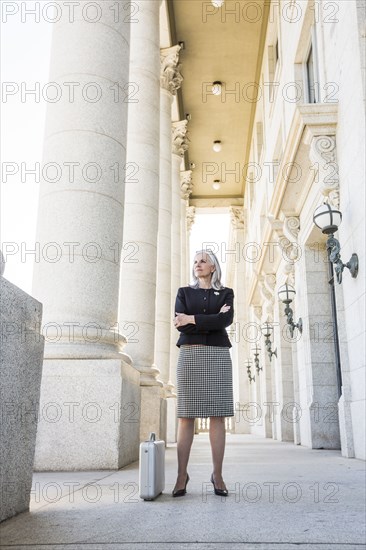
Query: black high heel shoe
x=220 y=492
x=181 y=492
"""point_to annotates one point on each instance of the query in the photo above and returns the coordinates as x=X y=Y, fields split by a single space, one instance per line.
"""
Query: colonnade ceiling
x=220 y=44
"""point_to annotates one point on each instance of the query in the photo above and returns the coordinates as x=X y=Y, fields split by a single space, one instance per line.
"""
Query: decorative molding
x=170 y=76
x=266 y=287
x=191 y=212
x=186 y=184
x=323 y=152
x=257 y=310
x=269 y=281
x=169 y=389
x=237 y=217
x=179 y=137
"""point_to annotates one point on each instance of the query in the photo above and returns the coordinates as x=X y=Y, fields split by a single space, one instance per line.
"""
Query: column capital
x=186 y=184
x=179 y=137
x=170 y=76
x=237 y=217
x=191 y=212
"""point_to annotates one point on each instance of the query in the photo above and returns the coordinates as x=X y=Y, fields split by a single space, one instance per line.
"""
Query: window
x=311 y=72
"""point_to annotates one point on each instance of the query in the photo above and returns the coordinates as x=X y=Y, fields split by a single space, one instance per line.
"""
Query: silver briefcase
x=152 y=468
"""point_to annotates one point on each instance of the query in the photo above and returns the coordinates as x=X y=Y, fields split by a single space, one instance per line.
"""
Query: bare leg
x=184 y=443
x=217 y=440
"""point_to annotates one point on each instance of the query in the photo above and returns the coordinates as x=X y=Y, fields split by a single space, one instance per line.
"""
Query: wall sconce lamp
x=256 y=349
x=286 y=294
x=216 y=185
x=248 y=365
x=217 y=87
x=267 y=330
x=328 y=219
x=217 y=3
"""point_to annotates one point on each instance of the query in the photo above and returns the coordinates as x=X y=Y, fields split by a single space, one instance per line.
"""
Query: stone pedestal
x=89 y=415
x=20 y=370
x=153 y=412
x=172 y=425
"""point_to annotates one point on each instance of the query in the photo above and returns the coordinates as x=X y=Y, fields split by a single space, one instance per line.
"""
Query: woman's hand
x=224 y=308
x=182 y=319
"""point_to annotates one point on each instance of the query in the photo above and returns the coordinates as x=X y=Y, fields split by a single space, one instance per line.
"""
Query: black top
x=205 y=305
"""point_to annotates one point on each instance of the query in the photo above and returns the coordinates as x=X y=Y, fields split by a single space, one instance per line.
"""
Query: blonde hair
x=216 y=275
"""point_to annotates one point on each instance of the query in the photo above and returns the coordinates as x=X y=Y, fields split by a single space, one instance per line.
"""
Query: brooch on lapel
x=217 y=293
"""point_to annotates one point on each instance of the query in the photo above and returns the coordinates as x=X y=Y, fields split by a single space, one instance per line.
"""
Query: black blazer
x=205 y=305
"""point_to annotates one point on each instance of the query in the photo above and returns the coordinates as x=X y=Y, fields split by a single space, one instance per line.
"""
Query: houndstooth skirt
x=204 y=382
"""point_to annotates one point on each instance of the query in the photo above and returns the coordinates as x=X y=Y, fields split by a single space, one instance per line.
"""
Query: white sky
x=25 y=59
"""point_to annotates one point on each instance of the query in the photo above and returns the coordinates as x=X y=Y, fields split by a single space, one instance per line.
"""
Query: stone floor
x=282 y=497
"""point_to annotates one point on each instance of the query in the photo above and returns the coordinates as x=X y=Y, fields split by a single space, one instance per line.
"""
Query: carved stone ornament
x=237 y=217
x=186 y=184
x=179 y=137
x=170 y=77
x=191 y=211
x=291 y=228
x=323 y=153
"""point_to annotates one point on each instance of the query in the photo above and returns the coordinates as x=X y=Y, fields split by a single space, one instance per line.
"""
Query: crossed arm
x=201 y=323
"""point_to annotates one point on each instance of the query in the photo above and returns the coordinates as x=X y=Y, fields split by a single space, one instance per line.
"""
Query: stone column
x=185 y=191
x=140 y=231
x=241 y=317
x=319 y=422
x=179 y=146
x=190 y=213
x=271 y=375
x=170 y=81
x=80 y=225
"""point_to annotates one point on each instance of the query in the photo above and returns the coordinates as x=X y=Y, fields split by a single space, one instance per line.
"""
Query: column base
x=241 y=423
x=89 y=417
x=172 y=421
x=345 y=428
x=153 y=412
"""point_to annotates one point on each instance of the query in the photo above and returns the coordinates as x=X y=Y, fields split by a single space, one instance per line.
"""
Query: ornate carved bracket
x=323 y=152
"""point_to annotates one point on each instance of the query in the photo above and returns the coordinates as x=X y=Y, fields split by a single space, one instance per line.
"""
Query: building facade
x=291 y=136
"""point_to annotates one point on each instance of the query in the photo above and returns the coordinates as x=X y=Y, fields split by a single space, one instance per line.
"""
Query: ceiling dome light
x=216 y=87
x=216 y=184
x=217 y=146
x=217 y=3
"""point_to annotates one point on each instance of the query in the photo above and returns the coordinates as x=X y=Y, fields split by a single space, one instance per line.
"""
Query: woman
x=204 y=370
